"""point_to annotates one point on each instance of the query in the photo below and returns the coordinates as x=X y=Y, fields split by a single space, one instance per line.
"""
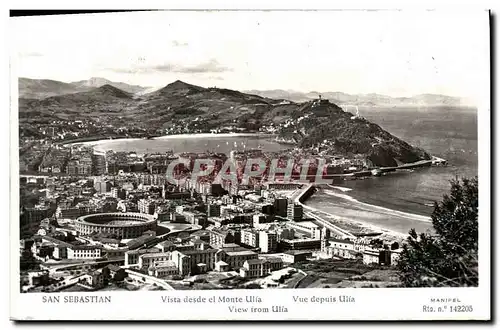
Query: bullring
x=121 y=225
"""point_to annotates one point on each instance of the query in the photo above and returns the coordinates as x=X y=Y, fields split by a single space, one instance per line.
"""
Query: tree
x=395 y=246
x=448 y=256
x=120 y=275
x=377 y=243
x=106 y=273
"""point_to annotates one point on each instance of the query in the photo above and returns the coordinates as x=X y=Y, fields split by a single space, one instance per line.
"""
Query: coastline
x=205 y=135
x=167 y=137
x=412 y=216
x=355 y=227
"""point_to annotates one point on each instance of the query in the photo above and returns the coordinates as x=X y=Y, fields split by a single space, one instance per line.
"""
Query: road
x=59 y=267
x=312 y=212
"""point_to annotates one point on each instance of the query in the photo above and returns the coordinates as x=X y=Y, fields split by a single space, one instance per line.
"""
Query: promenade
x=299 y=196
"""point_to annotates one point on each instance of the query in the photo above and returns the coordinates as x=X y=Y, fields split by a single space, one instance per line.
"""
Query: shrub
x=448 y=257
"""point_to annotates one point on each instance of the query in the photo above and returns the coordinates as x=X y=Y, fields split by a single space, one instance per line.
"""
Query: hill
x=43 y=88
x=183 y=102
x=103 y=94
x=324 y=123
x=180 y=107
x=98 y=82
x=104 y=100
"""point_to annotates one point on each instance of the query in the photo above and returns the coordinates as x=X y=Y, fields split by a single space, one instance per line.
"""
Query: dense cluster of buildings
x=117 y=210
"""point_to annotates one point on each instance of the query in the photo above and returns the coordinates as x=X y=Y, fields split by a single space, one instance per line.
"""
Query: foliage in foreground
x=447 y=257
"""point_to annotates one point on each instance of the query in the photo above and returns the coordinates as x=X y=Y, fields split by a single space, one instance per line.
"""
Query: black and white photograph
x=251 y=156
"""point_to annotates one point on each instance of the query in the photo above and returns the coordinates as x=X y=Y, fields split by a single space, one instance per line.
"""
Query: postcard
x=250 y=165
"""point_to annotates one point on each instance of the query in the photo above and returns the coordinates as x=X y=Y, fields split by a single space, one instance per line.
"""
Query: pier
x=435 y=161
x=420 y=163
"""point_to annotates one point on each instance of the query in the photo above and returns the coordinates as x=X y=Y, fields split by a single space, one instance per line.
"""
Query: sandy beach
x=167 y=137
x=200 y=142
x=355 y=226
x=355 y=216
x=367 y=206
x=98 y=142
x=206 y=135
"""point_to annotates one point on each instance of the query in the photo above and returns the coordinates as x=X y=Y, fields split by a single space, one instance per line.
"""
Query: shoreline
x=97 y=142
x=408 y=215
x=351 y=226
x=383 y=233
x=202 y=135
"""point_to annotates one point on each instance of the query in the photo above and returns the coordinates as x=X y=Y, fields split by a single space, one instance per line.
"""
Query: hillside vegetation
x=204 y=109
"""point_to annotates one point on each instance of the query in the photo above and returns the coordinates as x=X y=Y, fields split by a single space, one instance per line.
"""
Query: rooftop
x=297 y=252
x=165 y=264
x=57 y=242
x=188 y=252
x=230 y=246
x=114 y=268
x=255 y=261
x=240 y=253
x=307 y=224
x=140 y=240
x=144 y=251
x=296 y=240
x=166 y=243
x=338 y=240
x=201 y=232
x=86 y=247
x=156 y=255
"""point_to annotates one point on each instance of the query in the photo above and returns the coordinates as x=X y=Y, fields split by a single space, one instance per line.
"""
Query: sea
x=198 y=143
x=397 y=201
x=405 y=200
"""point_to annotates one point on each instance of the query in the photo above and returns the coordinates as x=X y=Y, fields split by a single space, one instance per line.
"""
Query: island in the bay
x=95 y=218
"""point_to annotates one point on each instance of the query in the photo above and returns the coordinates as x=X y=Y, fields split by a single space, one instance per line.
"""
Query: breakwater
x=309 y=190
x=382 y=170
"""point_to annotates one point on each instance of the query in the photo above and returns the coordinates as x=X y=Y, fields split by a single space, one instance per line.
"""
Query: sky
x=396 y=53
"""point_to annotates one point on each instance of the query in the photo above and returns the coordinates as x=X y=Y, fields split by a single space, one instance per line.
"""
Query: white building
x=260 y=267
x=371 y=256
x=250 y=237
x=163 y=269
x=268 y=241
x=146 y=206
x=84 y=252
x=309 y=228
x=342 y=248
x=162 y=262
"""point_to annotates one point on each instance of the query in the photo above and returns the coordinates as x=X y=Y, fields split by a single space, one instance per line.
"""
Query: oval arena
x=123 y=225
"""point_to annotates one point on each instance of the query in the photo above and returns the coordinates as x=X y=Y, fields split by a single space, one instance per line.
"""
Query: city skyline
x=391 y=53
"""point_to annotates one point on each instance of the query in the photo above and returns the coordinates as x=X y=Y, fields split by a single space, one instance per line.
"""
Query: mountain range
x=43 y=88
x=372 y=99
x=197 y=109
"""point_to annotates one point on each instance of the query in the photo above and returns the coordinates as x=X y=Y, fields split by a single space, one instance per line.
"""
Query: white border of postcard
x=365 y=304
